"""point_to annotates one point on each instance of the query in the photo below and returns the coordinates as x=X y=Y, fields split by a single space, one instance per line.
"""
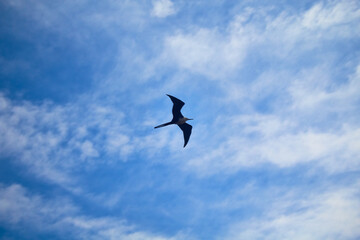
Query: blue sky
x=273 y=87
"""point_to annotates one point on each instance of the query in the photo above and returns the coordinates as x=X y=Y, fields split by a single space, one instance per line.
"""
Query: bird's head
x=187 y=119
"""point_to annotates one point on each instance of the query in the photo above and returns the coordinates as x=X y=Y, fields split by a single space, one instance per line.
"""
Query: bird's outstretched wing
x=178 y=104
x=186 y=128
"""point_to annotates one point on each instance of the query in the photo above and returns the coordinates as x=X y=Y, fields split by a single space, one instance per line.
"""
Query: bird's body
x=179 y=119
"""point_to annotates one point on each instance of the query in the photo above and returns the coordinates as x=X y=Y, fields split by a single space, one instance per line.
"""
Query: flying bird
x=179 y=119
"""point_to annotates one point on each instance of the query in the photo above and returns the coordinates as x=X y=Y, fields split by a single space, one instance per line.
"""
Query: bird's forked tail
x=163 y=125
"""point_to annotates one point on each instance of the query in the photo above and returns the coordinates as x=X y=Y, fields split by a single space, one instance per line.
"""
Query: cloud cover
x=273 y=90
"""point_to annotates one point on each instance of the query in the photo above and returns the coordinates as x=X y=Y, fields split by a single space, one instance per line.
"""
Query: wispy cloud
x=296 y=123
x=331 y=214
x=163 y=8
x=273 y=89
x=52 y=139
x=216 y=52
x=293 y=134
x=20 y=208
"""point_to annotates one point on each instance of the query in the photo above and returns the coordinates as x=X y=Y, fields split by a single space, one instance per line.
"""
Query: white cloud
x=300 y=129
x=291 y=149
x=312 y=114
x=316 y=89
x=51 y=139
x=218 y=53
x=333 y=214
x=88 y=150
x=206 y=52
x=335 y=14
x=19 y=208
x=163 y=8
x=257 y=140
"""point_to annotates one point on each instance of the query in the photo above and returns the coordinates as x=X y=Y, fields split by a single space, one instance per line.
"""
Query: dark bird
x=179 y=119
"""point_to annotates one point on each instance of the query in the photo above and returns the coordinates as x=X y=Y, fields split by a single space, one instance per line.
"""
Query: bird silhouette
x=179 y=119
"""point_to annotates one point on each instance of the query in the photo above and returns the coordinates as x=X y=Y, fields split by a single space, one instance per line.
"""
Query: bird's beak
x=190 y=119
